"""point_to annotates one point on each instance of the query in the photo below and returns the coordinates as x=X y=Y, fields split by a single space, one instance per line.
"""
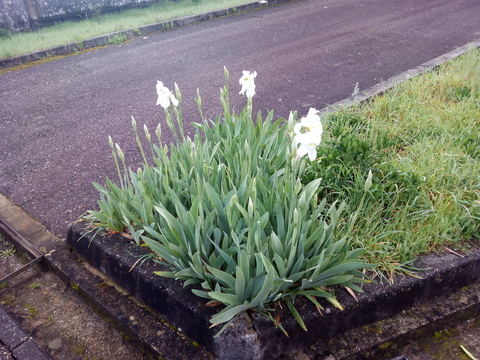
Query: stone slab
x=11 y=335
x=17 y=344
x=29 y=350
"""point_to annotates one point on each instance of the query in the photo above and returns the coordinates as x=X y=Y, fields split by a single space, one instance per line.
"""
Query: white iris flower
x=248 y=83
x=308 y=133
x=165 y=96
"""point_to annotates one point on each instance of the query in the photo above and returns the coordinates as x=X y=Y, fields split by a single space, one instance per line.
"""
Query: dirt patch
x=59 y=321
x=445 y=345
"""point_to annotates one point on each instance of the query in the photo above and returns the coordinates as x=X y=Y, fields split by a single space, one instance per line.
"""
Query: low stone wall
x=21 y=15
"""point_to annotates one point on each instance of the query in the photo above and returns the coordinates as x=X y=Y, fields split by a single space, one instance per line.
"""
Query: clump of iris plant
x=227 y=212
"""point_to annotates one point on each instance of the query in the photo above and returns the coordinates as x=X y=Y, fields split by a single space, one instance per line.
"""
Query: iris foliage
x=228 y=213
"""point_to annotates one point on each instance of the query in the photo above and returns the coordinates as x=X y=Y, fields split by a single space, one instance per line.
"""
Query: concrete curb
x=115 y=257
x=107 y=39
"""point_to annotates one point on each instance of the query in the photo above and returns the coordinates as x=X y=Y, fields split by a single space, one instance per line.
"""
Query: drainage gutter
x=20 y=243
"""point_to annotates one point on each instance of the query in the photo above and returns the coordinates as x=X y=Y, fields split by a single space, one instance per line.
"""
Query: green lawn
x=421 y=140
x=14 y=44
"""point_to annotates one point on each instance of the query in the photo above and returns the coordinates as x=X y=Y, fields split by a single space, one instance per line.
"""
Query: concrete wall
x=19 y=15
x=14 y=15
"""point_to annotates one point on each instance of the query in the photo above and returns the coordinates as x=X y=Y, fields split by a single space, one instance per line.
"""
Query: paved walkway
x=15 y=343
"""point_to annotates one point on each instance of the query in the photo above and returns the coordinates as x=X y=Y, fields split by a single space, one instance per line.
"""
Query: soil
x=446 y=345
x=59 y=321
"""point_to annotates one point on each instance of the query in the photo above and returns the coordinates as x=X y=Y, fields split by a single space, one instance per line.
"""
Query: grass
x=421 y=140
x=14 y=44
x=32 y=311
x=7 y=249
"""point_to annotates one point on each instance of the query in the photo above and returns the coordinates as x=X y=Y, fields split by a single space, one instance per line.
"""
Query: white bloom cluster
x=308 y=133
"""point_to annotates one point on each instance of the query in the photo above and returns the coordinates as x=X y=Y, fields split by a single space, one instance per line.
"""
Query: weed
x=78 y=350
x=9 y=248
x=32 y=311
x=34 y=285
x=9 y=298
x=80 y=46
x=8 y=252
x=117 y=39
x=125 y=336
x=385 y=345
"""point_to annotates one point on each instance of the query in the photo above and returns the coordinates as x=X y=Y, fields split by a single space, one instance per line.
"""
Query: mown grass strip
x=422 y=141
x=14 y=44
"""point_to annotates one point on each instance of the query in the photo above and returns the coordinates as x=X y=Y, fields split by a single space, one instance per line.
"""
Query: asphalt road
x=56 y=117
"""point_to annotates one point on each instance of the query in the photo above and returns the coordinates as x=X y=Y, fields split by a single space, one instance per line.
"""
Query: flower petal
x=312 y=152
x=173 y=99
x=302 y=151
x=164 y=101
x=165 y=96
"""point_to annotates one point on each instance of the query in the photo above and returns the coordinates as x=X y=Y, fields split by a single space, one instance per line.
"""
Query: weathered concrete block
x=21 y=15
x=10 y=333
x=58 y=9
x=29 y=350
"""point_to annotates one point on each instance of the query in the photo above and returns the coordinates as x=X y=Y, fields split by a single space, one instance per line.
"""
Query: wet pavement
x=56 y=116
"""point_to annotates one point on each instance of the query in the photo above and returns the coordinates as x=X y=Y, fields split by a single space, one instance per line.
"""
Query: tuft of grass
x=34 y=285
x=31 y=309
x=117 y=39
x=5 y=34
x=421 y=141
x=7 y=248
x=14 y=44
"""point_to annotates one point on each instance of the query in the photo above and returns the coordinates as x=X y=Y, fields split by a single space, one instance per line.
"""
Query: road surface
x=55 y=118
